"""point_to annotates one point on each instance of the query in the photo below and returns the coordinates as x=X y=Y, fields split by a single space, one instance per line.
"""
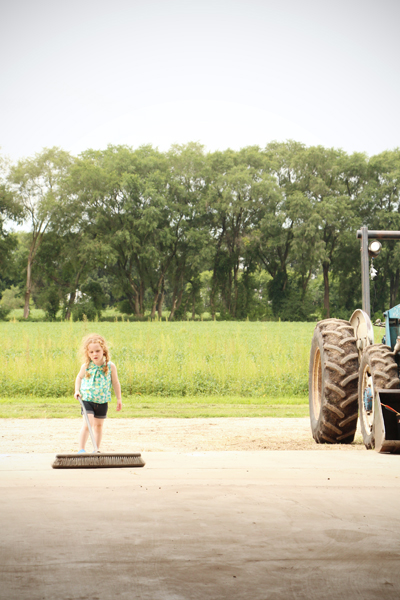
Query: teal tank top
x=97 y=387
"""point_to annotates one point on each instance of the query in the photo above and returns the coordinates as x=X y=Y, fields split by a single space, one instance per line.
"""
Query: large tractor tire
x=378 y=370
x=333 y=382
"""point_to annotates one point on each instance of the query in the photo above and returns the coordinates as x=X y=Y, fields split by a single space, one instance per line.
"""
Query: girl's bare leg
x=98 y=431
x=84 y=433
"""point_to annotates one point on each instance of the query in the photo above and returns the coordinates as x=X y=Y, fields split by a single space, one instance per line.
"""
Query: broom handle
x=88 y=425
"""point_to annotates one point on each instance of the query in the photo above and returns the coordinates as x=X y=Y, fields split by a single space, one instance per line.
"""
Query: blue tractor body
x=392 y=326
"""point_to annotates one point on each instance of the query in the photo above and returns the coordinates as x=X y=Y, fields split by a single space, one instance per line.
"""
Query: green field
x=165 y=369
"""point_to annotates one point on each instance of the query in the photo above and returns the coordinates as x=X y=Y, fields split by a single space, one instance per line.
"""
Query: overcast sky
x=228 y=73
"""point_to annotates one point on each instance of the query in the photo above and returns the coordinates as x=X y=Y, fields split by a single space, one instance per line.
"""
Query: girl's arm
x=116 y=385
x=78 y=382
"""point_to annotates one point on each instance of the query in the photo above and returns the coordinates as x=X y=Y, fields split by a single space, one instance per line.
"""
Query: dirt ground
x=166 y=435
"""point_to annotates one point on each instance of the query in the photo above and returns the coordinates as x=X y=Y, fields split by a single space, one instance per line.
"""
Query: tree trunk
x=141 y=298
x=394 y=288
x=185 y=308
x=173 y=308
x=224 y=300
x=154 y=307
x=156 y=295
x=71 y=301
x=228 y=301
x=305 y=282
x=28 y=285
x=214 y=283
x=37 y=238
x=212 y=299
x=174 y=299
x=325 y=267
x=160 y=304
x=36 y=241
x=176 y=304
x=133 y=300
x=138 y=312
x=72 y=296
x=177 y=292
x=235 y=288
x=246 y=275
x=135 y=303
x=193 y=306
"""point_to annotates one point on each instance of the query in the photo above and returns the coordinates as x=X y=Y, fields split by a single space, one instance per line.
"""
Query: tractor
x=350 y=376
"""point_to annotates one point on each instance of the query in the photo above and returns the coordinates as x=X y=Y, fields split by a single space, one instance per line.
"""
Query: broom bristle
x=93 y=461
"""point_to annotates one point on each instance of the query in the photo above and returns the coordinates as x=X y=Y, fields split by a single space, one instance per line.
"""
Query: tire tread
x=339 y=363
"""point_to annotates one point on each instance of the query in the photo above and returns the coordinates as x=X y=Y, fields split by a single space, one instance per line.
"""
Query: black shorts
x=98 y=410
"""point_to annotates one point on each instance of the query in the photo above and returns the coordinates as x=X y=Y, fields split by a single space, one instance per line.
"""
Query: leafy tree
x=277 y=229
x=258 y=234
x=240 y=189
x=346 y=266
x=10 y=211
x=124 y=196
x=332 y=210
x=382 y=204
x=37 y=184
x=187 y=194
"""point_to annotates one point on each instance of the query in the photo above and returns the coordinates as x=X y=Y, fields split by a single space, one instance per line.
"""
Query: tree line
x=256 y=233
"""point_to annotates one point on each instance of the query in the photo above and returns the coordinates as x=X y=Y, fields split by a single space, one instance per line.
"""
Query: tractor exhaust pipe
x=366 y=298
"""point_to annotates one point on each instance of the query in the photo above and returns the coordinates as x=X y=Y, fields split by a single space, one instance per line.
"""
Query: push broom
x=96 y=460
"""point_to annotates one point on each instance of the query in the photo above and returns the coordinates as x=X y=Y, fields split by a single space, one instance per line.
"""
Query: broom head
x=93 y=461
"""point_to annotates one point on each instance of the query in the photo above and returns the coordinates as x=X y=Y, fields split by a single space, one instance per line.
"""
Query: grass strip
x=186 y=407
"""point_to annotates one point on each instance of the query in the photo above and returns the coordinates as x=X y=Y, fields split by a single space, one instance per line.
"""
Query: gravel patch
x=168 y=435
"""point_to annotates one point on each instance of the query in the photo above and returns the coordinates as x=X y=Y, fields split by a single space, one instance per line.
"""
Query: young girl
x=93 y=386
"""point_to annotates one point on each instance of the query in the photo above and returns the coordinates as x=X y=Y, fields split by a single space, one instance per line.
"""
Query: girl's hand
x=119 y=405
x=77 y=395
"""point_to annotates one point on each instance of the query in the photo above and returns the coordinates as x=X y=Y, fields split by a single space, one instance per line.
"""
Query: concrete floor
x=216 y=525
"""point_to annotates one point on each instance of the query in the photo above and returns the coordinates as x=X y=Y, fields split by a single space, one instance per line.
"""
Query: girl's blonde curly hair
x=94 y=338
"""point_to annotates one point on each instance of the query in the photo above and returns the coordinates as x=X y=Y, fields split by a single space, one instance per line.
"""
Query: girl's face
x=95 y=352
